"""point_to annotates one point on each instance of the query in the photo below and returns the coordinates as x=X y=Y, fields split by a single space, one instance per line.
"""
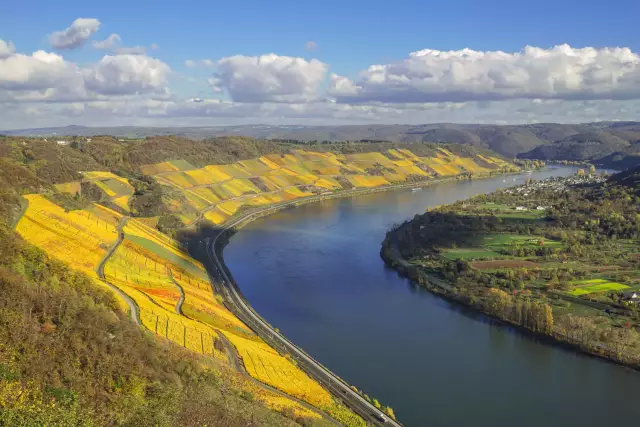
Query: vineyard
x=79 y=238
x=171 y=290
x=225 y=189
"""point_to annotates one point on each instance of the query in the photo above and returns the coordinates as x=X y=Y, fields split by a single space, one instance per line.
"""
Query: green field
x=486 y=246
x=495 y=241
x=585 y=287
x=182 y=164
x=509 y=211
x=120 y=188
x=471 y=253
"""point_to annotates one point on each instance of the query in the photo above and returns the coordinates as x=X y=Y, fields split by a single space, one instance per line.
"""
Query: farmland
x=223 y=190
x=585 y=287
x=152 y=269
x=555 y=257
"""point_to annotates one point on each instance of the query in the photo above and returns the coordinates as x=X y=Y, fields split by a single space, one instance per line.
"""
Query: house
x=633 y=296
x=521 y=208
x=62 y=142
x=541 y=208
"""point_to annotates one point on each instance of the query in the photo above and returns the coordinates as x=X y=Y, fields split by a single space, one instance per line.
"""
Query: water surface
x=315 y=272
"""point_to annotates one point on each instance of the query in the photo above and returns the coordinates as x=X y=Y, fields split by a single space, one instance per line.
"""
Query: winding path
x=133 y=308
x=181 y=290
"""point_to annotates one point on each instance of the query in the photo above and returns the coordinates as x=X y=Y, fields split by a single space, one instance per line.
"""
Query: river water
x=315 y=272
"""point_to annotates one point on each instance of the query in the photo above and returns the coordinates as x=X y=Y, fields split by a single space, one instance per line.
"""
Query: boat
x=416 y=189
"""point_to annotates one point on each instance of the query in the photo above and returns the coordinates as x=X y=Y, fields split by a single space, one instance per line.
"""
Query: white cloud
x=269 y=78
x=6 y=49
x=43 y=89
x=190 y=63
x=113 y=43
x=126 y=74
x=132 y=50
x=109 y=43
x=45 y=76
x=136 y=110
x=39 y=71
x=76 y=35
x=561 y=72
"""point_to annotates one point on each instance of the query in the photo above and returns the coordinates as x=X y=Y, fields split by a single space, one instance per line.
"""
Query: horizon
x=285 y=64
x=324 y=125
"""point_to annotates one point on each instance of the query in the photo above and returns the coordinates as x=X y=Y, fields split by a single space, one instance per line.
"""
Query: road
x=133 y=308
x=245 y=312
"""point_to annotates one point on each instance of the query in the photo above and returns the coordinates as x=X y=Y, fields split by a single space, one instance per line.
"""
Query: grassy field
x=585 y=287
x=487 y=247
x=471 y=253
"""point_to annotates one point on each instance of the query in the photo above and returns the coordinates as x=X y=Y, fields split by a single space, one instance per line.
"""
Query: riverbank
x=393 y=259
x=226 y=286
x=245 y=217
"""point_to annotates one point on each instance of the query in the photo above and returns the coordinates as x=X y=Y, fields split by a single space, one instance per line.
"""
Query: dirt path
x=181 y=290
x=133 y=308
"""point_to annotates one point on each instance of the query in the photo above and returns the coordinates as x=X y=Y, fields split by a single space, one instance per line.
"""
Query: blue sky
x=350 y=37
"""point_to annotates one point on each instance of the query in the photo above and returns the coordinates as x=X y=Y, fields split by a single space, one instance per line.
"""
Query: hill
x=506 y=140
x=587 y=146
x=629 y=178
x=118 y=299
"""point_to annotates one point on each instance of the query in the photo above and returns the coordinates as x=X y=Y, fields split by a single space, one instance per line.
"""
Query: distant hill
x=550 y=141
x=629 y=178
x=582 y=146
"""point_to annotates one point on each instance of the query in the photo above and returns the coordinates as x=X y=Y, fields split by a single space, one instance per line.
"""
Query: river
x=315 y=273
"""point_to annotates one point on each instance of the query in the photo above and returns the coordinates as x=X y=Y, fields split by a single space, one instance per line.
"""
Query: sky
x=209 y=63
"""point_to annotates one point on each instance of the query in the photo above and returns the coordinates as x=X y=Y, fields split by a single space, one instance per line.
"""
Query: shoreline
x=219 y=240
x=394 y=260
x=255 y=213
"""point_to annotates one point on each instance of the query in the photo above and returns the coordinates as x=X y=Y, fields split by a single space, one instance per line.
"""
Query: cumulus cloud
x=76 y=35
x=6 y=49
x=45 y=76
x=269 y=78
x=125 y=74
x=561 y=72
x=113 y=43
x=109 y=43
x=39 y=71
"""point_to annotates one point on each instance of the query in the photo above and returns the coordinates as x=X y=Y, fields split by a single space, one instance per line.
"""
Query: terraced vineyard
x=152 y=269
x=223 y=190
x=171 y=290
